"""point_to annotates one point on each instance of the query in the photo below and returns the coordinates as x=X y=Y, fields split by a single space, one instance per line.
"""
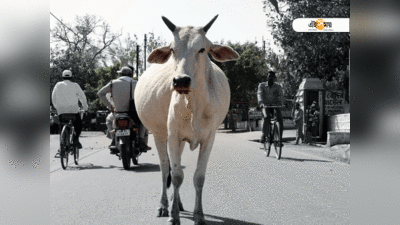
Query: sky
x=238 y=20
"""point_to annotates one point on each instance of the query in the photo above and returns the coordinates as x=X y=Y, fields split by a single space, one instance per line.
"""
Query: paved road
x=242 y=185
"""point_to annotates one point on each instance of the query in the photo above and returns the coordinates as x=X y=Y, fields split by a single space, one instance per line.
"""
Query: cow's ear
x=160 y=55
x=223 y=53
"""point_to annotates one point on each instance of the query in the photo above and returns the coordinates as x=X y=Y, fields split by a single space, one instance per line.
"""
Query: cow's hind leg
x=161 y=144
x=199 y=177
x=175 y=152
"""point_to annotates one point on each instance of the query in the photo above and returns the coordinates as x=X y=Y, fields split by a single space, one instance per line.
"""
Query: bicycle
x=67 y=137
x=274 y=136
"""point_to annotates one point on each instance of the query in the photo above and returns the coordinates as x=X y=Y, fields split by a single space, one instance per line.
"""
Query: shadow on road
x=285 y=139
x=302 y=160
x=144 y=167
x=140 y=168
x=216 y=220
x=89 y=166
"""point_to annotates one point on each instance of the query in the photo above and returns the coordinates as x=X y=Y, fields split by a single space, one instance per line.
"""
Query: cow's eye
x=202 y=50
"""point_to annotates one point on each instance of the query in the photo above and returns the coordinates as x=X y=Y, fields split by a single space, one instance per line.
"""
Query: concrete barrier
x=340 y=123
x=335 y=137
x=241 y=125
x=338 y=129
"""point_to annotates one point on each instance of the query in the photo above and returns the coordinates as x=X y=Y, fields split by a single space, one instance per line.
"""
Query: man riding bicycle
x=270 y=94
x=66 y=97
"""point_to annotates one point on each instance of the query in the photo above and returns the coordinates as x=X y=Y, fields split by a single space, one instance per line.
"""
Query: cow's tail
x=169 y=179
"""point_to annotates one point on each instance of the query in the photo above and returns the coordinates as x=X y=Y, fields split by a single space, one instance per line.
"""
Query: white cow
x=184 y=98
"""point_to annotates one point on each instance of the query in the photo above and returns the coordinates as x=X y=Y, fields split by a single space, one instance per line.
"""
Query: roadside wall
x=339 y=129
x=339 y=123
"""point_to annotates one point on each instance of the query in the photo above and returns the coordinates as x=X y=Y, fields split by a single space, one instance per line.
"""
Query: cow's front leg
x=180 y=202
x=161 y=144
x=199 y=177
x=175 y=148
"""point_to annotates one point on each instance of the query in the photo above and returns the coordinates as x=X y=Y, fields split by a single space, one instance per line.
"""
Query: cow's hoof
x=199 y=219
x=181 y=207
x=200 y=222
x=173 y=221
x=162 y=212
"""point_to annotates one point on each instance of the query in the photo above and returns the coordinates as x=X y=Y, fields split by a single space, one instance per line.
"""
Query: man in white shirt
x=65 y=97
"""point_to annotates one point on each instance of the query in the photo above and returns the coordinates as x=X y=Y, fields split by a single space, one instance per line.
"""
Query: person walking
x=298 y=123
x=312 y=121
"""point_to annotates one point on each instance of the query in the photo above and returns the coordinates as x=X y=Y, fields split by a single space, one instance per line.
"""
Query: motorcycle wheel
x=126 y=159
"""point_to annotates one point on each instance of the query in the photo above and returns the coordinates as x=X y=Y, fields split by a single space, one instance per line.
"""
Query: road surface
x=242 y=185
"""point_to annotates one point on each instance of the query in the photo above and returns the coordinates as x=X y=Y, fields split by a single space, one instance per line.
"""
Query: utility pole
x=263 y=45
x=263 y=58
x=137 y=61
x=145 y=48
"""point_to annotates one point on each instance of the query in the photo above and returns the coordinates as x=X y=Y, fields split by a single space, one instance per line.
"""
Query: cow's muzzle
x=182 y=84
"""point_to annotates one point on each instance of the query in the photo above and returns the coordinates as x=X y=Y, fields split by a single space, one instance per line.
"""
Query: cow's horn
x=209 y=24
x=169 y=24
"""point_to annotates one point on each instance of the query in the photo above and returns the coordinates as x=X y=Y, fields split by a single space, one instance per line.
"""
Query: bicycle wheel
x=277 y=140
x=267 y=146
x=64 y=145
x=76 y=155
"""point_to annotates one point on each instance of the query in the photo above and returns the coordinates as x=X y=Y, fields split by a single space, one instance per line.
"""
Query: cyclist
x=121 y=99
x=65 y=97
x=270 y=93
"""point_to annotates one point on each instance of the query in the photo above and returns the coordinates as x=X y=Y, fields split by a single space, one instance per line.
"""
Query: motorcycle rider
x=121 y=98
x=65 y=97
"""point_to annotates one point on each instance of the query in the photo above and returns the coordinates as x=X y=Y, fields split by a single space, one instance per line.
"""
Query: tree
x=153 y=43
x=82 y=39
x=105 y=75
x=125 y=52
x=80 y=48
x=246 y=73
x=316 y=55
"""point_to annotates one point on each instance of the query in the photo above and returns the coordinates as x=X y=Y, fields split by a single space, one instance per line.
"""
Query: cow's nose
x=182 y=81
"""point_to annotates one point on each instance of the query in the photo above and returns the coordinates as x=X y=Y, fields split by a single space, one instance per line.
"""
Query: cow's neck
x=189 y=107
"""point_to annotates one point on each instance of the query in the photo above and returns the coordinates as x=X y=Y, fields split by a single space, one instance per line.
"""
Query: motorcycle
x=126 y=140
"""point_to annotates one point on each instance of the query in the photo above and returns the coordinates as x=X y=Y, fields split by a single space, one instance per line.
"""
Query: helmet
x=67 y=73
x=125 y=71
x=271 y=73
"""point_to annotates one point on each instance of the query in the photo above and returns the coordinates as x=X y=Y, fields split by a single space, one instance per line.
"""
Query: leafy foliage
x=104 y=76
x=85 y=48
x=125 y=52
x=246 y=73
x=80 y=49
x=317 y=55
